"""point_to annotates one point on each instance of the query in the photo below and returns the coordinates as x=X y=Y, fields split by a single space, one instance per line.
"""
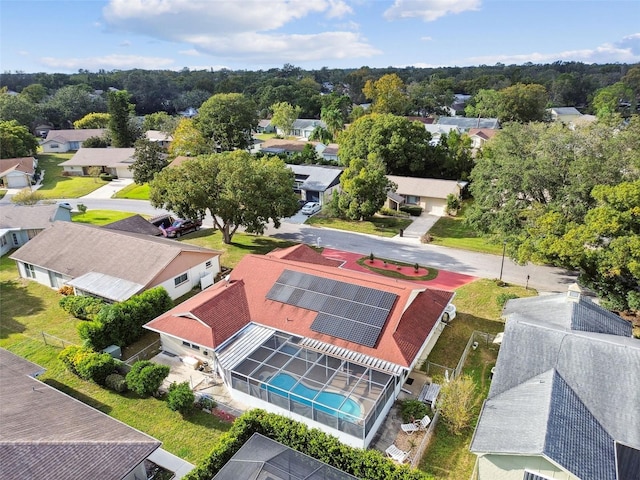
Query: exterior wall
x=136 y=473
x=429 y=343
x=42 y=276
x=193 y=278
x=512 y=467
x=69 y=170
x=6 y=243
x=55 y=147
x=175 y=346
x=63 y=214
x=17 y=238
x=17 y=180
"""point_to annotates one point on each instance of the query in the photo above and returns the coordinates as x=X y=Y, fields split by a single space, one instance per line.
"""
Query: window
x=3 y=241
x=29 y=270
x=208 y=264
x=412 y=199
x=181 y=279
x=192 y=345
x=54 y=145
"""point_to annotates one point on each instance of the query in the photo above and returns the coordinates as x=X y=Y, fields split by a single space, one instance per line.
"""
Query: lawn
x=134 y=192
x=2 y=193
x=55 y=185
x=100 y=217
x=381 y=226
x=452 y=232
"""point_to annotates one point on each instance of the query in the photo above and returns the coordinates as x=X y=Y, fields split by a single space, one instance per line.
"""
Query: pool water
x=332 y=403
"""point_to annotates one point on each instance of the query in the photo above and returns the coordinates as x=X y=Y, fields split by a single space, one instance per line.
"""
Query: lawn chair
x=409 y=428
x=396 y=454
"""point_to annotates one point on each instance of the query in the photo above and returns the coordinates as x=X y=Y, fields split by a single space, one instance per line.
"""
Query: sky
x=65 y=36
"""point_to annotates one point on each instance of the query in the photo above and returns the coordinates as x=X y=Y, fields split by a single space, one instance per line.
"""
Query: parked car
x=181 y=227
x=163 y=221
x=310 y=208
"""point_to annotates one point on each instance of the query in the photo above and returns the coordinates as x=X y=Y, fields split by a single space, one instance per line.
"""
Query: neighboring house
x=330 y=153
x=264 y=126
x=114 y=161
x=480 y=136
x=316 y=183
x=135 y=224
x=112 y=264
x=276 y=146
x=302 y=127
x=60 y=141
x=189 y=112
x=42 y=130
x=429 y=193
x=17 y=172
x=565 y=115
x=564 y=399
x=465 y=124
x=179 y=160
x=263 y=458
x=437 y=130
x=20 y=223
x=279 y=331
x=161 y=138
x=47 y=434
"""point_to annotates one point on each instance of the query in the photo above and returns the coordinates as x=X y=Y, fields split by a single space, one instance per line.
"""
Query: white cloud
x=429 y=10
x=426 y=39
x=192 y=52
x=108 y=62
x=625 y=51
x=251 y=29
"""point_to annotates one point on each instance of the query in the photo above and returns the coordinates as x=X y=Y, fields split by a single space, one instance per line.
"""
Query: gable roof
x=318 y=177
x=74 y=135
x=74 y=249
x=304 y=253
x=307 y=124
x=22 y=164
x=101 y=157
x=565 y=354
x=426 y=187
x=66 y=439
x=278 y=145
x=158 y=136
x=134 y=224
x=484 y=133
x=465 y=123
x=410 y=321
x=27 y=216
x=565 y=110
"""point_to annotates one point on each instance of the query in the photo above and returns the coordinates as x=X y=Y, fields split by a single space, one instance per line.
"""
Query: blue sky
x=65 y=36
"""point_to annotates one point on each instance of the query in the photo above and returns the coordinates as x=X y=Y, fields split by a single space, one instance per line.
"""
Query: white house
x=17 y=172
x=20 y=223
x=303 y=127
x=114 y=161
x=60 y=141
x=429 y=193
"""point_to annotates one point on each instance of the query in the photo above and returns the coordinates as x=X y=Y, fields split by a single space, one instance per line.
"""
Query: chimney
x=574 y=292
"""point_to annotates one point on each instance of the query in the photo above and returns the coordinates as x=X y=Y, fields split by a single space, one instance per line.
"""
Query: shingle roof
x=99 y=157
x=22 y=164
x=425 y=187
x=465 y=123
x=134 y=224
x=485 y=133
x=304 y=253
x=74 y=249
x=589 y=404
x=27 y=216
x=319 y=177
x=47 y=434
x=158 y=136
x=75 y=135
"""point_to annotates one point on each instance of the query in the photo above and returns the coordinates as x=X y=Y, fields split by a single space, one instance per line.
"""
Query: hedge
x=414 y=211
x=121 y=323
x=88 y=364
x=364 y=464
x=82 y=306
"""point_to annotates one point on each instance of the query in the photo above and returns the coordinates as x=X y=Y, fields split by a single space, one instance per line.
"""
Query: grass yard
x=100 y=217
x=55 y=185
x=2 y=193
x=134 y=192
x=381 y=226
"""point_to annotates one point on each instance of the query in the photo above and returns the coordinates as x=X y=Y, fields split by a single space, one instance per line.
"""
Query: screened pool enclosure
x=330 y=389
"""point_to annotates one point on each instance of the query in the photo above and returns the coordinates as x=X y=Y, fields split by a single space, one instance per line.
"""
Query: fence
x=54 y=341
x=145 y=354
x=433 y=369
x=424 y=443
x=475 y=339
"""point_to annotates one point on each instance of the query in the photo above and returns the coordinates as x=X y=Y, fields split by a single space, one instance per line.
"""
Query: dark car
x=181 y=227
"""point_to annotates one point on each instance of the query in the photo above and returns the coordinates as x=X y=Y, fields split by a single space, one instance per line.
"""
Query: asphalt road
x=542 y=278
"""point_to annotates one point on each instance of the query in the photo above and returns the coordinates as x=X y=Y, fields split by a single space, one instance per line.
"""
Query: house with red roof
x=293 y=333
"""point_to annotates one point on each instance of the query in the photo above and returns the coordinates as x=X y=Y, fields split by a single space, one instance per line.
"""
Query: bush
x=27 y=197
x=180 y=398
x=503 y=298
x=82 y=208
x=457 y=401
x=453 y=204
x=413 y=410
x=82 y=306
x=106 y=177
x=146 y=377
x=389 y=212
x=116 y=382
x=206 y=403
x=412 y=210
x=87 y=364
x=65 y=290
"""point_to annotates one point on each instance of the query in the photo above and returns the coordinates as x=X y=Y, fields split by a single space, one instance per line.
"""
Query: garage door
x=435 y=206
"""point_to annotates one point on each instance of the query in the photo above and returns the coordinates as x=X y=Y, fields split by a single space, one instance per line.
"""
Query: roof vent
x=574 y=292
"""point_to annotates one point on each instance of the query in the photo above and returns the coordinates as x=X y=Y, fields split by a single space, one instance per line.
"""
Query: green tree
x=92 y=120
x=161 y=121
x=402 y=145
x=228 y=120
x=607 y=101
x=16 y=141
x=431 y=96
x=284 y=114
x=387 y=94
x=71 y=103
x=523 y=103
x=18 y=108
x=457 y=403
x=333 y=118
x=234 y=187
x=485 y=104
x=94 y=172
x=321 y=134
x=35 y=92
x=364 y=186
x=123 y=134
x=96 y=142
x=188 y=141
x=180 y=397
x=455 y=157
x=149 y=160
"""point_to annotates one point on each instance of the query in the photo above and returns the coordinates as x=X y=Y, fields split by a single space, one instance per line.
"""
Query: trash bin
x=401 y=232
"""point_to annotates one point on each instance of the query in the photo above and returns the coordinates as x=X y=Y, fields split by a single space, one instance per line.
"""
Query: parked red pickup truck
x=181 y=227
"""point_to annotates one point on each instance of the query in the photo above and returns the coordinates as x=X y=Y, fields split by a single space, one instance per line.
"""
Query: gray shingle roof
x=27 y=216
x=47 y=434
x=134 y=224
x=320 y=177
x=595 y=393
x=74 y=135
x=100 y=157
x=464 y=123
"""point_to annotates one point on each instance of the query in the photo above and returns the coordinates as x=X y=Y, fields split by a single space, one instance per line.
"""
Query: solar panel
x=346 y=311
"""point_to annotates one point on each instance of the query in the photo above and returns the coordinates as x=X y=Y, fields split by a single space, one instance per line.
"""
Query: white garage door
x=435 y=206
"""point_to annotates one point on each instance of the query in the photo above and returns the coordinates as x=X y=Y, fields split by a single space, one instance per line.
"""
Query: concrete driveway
x=420 y=225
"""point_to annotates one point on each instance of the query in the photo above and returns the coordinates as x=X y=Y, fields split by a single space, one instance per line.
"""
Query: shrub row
x=364 y=464
x=414 y=211
x=121 y=323
x=88 y=364
x=390 y=212
x=82 y=306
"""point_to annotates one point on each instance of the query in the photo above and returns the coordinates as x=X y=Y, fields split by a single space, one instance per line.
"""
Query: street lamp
x=504 y=247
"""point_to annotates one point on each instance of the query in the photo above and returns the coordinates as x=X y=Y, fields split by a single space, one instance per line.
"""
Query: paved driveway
x=420 y=225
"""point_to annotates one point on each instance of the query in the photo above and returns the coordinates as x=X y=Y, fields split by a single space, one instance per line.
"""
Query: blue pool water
x=332 y=403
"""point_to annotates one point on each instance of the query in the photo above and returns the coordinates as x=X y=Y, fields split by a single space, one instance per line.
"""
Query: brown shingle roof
x=99 y=157
x=74 y=135
x=425 y=187
x=22 y=164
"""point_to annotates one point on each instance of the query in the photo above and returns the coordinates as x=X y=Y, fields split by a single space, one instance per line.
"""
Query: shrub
x=390 y=212
x=206 y=403
x=27 y=197
x=453 y=204
x=106 y=177
x=426 y=238
x=456 y=404
x=87 y=364
x=413 y=410
x=412 y=210
x=116 y=382
x=82 y=306
x=503 y=298
x=65 y=290
x=82 y=208
x=180 y=397
x=146 y=377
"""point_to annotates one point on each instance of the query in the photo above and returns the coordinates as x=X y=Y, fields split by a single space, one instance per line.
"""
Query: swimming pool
x=332 y=403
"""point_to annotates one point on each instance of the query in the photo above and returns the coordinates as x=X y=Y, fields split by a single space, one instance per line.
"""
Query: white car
x=310 y=208
x=449 y=313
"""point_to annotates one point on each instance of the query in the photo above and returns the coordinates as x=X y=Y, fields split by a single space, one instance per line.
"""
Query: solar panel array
x=346 y=311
